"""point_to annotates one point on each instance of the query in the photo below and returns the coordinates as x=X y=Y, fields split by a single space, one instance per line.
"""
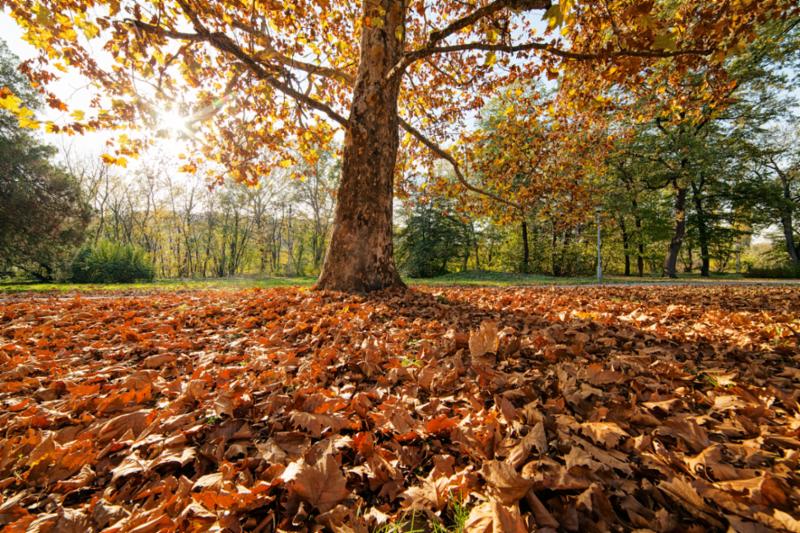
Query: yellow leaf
x=29 y=123
x=553 y=16
x=286 y=163
x=77 y=114
x=11 y=102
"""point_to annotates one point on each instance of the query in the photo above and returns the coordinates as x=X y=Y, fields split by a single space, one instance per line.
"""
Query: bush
x=109 y=262
x=781 y=272
x=430 y=239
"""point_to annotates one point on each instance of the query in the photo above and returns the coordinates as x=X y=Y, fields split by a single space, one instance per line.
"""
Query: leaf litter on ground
x=581 y=409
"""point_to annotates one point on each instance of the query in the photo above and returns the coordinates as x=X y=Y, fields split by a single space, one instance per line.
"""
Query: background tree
x=42 y=211
x=273 y=63
x=433 y=235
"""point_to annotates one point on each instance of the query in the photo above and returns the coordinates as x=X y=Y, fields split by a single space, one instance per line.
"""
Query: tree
x=42 y=212
x=775 y=184
x=684 y=140
x=369 y=68
x=432 y=236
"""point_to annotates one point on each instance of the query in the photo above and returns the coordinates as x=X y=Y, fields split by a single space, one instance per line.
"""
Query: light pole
x=599 y=246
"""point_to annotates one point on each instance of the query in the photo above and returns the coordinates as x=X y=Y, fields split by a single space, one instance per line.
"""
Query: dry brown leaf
x=484 y=340
x=494 y=517
x=322 y=485
x=504 y=482
x=608 y=434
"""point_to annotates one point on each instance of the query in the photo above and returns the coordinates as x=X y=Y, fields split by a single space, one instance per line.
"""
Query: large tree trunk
x=788 y=236
x=679 y=231
x=637 y=219
x=360 y=255
x=702 y=228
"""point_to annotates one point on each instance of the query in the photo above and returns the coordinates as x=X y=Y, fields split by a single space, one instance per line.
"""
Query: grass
x=454 y=520
x=159 y=285
x=507 y=279
x=468 y=278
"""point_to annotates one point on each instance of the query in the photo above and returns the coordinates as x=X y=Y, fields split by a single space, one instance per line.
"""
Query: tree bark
x=526 y=251
x=679 y=231
x=475 y=244
x=702 y=228
x=625 y=245
x=787 y=223
x=637 y=220
x=360 y=255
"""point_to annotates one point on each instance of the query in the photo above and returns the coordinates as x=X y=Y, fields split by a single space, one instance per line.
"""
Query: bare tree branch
x=443 y=154
x=467 y=20
x=549 y=48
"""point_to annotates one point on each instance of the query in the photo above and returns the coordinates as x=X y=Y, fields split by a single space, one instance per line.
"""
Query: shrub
x=781 y=272
x=109 y=262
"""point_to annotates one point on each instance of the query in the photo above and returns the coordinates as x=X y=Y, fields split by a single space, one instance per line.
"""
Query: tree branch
x=224 y=43
x=467 y=20
x=549 y=48
x=443 y=154
x=271 y=53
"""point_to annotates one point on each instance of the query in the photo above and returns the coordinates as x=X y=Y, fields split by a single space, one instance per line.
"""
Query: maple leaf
x=322 y=485
x=536 y=438
x=494 y=517
x=484 y=340
x=608 y=434
x=504 y=482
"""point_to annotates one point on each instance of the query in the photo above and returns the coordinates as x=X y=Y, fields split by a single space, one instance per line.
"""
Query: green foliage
x=431 y=237
x=42 y=211
x=776 y=272
x=109 y=262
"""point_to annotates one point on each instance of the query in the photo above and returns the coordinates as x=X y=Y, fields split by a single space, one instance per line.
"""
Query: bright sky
x=76 y=92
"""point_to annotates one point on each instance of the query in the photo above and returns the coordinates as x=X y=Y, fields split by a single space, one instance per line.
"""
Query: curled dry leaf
x=484 y=340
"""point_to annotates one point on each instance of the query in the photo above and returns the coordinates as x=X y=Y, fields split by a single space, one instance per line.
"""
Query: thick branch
x=443 y=154
x=467 y=20
x=224 y=43
x=270 y=53
x=549 y=48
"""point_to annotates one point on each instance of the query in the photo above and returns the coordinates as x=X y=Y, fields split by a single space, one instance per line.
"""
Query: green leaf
x=665 y=42
x=554 y=16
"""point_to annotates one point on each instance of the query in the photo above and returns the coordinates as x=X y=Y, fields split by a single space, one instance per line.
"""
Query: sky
x=76 y=92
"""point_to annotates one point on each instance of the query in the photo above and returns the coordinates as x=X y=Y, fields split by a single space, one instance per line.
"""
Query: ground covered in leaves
x=587 y=409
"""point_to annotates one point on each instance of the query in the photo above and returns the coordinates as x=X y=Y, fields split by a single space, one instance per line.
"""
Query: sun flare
x=172 y=122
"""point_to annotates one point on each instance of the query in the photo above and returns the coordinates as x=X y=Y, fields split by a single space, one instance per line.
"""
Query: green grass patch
x=509 y=279
x=471 y=278
x=159 y=285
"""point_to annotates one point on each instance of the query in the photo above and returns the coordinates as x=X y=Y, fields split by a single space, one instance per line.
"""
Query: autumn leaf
x=484 y=340
x=322 y=484
x=494 y=517
x=504 y=482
